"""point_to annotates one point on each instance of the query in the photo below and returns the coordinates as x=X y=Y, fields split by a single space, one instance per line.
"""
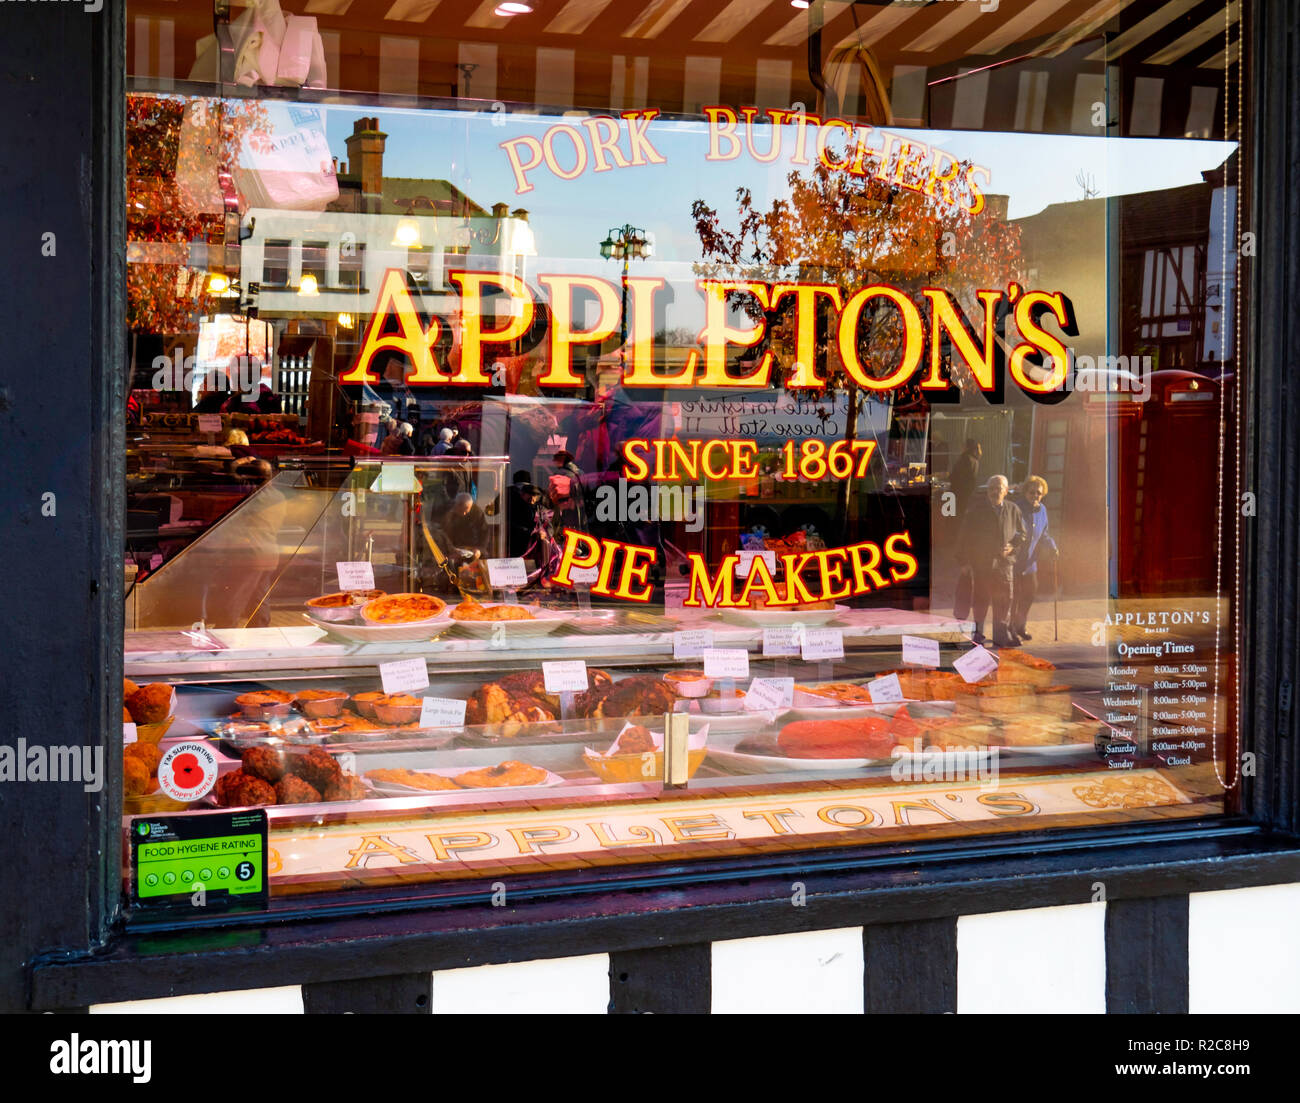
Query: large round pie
x=402 y=609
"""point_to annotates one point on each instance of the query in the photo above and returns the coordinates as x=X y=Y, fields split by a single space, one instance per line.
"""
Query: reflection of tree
x=162 y=217
x=849 y=232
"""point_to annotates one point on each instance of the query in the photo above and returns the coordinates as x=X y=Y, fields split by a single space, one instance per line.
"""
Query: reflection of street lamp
x=623 y=244
x=406 y=233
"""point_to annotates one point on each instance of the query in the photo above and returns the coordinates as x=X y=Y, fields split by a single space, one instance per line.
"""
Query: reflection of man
x=991 y=534
x=964 y=475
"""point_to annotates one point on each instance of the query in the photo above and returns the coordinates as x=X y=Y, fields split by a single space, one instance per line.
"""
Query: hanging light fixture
x=307 y=286
x=513 y=7
x=800 y=3
x=607 y=248
x=218 y=283
x=346 y=320
x=407 y=233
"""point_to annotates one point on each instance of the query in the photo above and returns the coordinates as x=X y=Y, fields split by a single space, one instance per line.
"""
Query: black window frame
x=66 y=943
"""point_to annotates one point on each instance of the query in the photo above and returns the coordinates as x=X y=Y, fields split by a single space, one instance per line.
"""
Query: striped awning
x=1161 y=68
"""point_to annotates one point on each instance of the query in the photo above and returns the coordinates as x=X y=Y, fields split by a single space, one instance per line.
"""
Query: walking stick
x=1056 y=596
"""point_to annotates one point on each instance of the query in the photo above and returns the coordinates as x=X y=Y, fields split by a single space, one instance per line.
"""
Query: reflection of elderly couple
x=999 y=545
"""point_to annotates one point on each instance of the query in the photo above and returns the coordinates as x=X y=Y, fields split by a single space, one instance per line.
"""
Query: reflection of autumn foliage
x=849 y=232
x=163 y=293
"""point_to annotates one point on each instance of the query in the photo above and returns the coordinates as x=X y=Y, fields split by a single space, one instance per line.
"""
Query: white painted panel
x=815 y=972
x=557 y=986
x=703 y=79
x=399 y=66
x=253 y=1001
x=1242 y=951
x=1036 y=961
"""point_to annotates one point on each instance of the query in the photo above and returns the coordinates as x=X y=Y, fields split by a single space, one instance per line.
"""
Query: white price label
x=726 y=662
x=507 y=574
x=781 y=641
x=691 y=644
x=356 y=576
x=584 y=576
x=822 y=643
x=209 y=423
x=766 y=694
x=442 y=712
x=977 y=663
x=746 y=562
x=128 y=733
x=885 y=689
x=920 y=651
x=569 y=676
x=404 y=675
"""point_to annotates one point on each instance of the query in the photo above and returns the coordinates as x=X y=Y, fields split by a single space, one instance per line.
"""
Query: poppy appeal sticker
x=187 y=772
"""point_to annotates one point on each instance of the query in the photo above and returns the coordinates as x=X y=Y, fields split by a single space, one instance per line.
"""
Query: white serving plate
x=387 y=633
x=392 y=788
x=544 y=622
x=1051 y=750
x=727 y=755
x=779 y=618
x=739 y=723
x=595 y=618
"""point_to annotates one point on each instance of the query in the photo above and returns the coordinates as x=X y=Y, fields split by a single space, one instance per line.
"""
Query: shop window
x=722 y=457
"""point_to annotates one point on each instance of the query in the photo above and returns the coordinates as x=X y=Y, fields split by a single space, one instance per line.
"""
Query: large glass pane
x=764 y=427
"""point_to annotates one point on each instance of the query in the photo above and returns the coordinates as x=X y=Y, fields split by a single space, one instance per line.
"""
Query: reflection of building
x=1159 y=427
x=424 y=227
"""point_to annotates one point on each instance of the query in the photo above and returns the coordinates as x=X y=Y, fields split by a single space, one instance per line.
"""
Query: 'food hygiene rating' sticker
x=216 y=859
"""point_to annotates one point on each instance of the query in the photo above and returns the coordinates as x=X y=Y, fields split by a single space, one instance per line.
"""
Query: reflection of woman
x=1029 y=500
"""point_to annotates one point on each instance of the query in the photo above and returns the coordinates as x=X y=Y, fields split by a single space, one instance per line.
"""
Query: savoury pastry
x=500 y=776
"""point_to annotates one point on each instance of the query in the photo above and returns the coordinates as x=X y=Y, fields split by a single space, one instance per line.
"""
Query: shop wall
x=1226 y=951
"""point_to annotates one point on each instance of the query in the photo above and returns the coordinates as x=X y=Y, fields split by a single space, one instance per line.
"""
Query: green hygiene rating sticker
x=211 y=860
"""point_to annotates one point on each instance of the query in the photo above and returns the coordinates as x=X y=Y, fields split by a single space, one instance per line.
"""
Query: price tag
x=746 y=562
x=209 y=423
x=726 y=662
x=692 y=643
x=442 y=712
x=975 y=664
x=920 y=651
x=355 y=576
x=507 y=574
x=766 y=694
x=569 y=676
x=404 y=675
x=584 y=576
x=781 y=641
x=396 y=478
x=885 y=689
x=822 y=643
x=128 y=733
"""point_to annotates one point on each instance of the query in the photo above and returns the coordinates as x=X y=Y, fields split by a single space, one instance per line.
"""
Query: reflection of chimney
x=995 y=207
x=520 y=214
x=500 y=210
x=366 y=156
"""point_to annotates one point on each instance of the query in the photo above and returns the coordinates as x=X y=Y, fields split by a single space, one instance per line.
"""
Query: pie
x=402 y=609
x=500 y=776
x=414 y=779
x=469 y=609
